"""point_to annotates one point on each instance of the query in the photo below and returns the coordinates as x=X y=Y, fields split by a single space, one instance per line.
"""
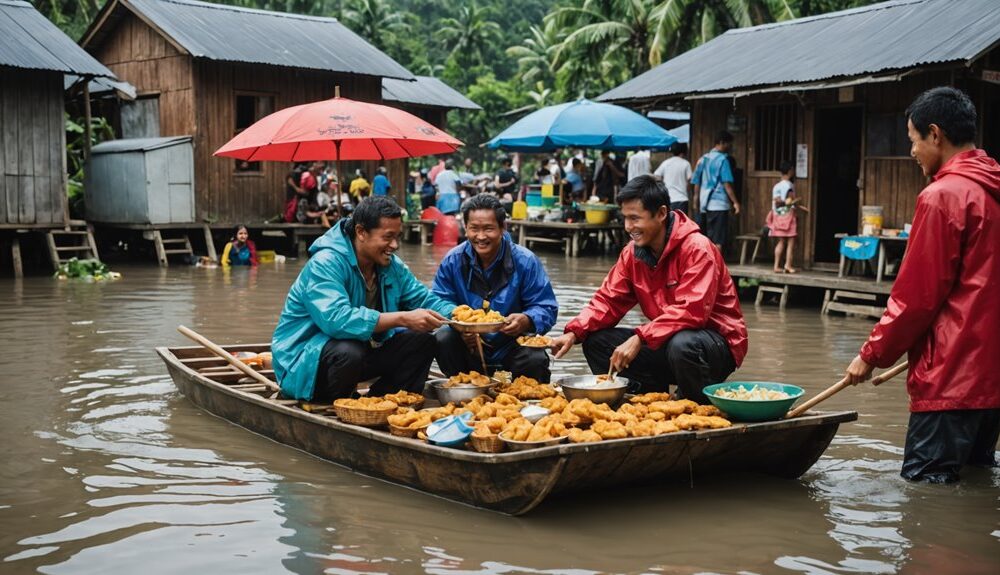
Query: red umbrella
x=338 y=129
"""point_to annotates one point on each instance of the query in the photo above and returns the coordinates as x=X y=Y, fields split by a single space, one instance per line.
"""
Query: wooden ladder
x=166 y=246
x=781 y=290
x=849 y=302
x=81 y=235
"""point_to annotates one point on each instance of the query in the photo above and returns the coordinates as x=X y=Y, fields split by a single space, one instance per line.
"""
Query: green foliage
x=100 y=130
x=91 y=270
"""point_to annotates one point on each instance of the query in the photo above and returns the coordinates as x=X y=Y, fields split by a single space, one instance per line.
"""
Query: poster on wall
x=801 y=161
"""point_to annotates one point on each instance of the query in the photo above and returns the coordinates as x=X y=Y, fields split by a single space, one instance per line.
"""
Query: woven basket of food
x=406 y=399
x=408 y=423
x=366 y=411
x=410 y=432
x=486 y=443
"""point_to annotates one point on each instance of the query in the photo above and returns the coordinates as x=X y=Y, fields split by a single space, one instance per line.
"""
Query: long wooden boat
x=512 y=483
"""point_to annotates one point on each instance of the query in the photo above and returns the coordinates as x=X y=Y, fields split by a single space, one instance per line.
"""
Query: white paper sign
x=802 y=161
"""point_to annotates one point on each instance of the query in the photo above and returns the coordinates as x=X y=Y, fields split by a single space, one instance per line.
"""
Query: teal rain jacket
x=327 y=302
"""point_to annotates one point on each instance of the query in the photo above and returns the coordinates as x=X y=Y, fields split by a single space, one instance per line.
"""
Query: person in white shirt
x=675 y=173
x=638 y=165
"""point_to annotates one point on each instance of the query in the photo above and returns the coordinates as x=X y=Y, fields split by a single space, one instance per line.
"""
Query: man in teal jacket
x=357 y=312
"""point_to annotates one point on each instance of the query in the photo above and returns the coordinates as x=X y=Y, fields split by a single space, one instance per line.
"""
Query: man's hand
x=623 y=355
x=859 y=371
x=425 y=320
x=516 y=324
x=471 y=342
x=562 y=344
x=736 y=208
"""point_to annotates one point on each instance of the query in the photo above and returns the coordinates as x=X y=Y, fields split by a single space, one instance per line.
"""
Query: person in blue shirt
x=713 y=190
x=357 y=312
x=490 y=266
x=380 y=184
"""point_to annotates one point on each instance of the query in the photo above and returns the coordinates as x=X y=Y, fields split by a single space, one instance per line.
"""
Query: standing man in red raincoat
x=944 y=309
x=695 y=336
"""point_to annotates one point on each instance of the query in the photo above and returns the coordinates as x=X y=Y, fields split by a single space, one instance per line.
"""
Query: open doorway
x=838 y=168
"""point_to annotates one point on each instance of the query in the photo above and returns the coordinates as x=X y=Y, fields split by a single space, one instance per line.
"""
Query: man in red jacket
x=944 y=308
x=695 y=335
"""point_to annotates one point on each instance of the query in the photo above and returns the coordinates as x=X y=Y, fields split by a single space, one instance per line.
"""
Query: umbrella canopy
x=338 y=129
x=682 y=133
x=582 y=124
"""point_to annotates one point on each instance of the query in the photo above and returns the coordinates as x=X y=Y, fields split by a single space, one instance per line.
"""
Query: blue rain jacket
x=515 y=282
x=327 y=302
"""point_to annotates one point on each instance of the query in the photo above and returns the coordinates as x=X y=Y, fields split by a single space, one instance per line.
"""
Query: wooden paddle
x=835 y=388
x=207 y=344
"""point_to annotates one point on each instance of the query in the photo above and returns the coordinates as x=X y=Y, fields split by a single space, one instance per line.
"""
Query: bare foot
x=791 y=271
x=779 y=271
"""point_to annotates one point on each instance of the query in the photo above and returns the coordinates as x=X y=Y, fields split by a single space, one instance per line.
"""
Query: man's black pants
x=453 y=357
x=401 y=362
x=681 y=206
x=716 y=226
x=939 y=443
x=690 y=360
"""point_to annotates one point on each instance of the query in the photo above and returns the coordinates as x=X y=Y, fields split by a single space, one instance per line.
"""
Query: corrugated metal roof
x=137 y=144
x=233 y=34
x=880 y=38
x=28 y=40
x=425 y=91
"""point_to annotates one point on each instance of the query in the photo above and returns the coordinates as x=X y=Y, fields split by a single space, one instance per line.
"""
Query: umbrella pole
x=340 y=174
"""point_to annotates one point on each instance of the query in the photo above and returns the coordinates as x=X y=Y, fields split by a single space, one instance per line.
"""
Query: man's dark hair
x=723 y=137
x=647 y=189
x=506 y=161
x=484 y=202
x=947 y=107
x=785 y=166
x=369 y=213
x=577 y=162
x=679 y=149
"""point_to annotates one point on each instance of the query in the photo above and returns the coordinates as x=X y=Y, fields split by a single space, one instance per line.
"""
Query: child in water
x=240 y=251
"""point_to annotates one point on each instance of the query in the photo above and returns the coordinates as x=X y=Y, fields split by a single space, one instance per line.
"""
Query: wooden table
x=571 y=234
x=880 y=266
x=423 y=227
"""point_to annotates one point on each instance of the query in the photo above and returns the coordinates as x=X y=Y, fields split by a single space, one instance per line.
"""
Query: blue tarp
x=859 y=247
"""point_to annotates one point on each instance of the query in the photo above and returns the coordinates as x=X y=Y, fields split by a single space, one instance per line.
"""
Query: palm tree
x=536 y=54
x=469 y=34
x=374 y=20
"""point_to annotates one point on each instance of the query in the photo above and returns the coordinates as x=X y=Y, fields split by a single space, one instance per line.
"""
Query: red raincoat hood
x=976 y=166
x=682 y=228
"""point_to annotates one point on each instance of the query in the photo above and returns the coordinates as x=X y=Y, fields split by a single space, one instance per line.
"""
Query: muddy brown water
x=106 y=468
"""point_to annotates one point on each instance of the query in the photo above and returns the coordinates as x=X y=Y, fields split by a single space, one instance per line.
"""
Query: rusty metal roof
x=425 y=91
x=28 y=40
x=233 y=34
x=881 y=39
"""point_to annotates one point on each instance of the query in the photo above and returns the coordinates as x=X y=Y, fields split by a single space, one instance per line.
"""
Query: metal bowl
x=484 y=327
x=587 y=387
x=523 y=445
x=458 y=394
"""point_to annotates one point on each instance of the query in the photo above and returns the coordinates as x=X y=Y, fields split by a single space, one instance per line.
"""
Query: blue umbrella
x=683 y=133
x=583 y=124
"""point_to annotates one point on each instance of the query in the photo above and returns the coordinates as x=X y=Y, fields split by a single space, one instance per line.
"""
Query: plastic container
x=519 y=211
x=548 y=190
x=266 y=256
x=597 y=216
x=871 y=220
x=750 y=409
x=533 y=199
x=450 y=431
x=549 y=201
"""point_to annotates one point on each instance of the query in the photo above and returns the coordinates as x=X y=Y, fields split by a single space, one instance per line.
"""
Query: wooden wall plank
x=26 y=159
x=41 y=142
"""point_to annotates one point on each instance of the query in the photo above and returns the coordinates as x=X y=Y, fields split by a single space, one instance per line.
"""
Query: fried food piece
x=687 y=421
x=404 y=398
x=466 y=314
x=411 y=419
x=577 y=435
x=647 y=398
x=518 y=429
x=534 y=341
x=507 y=399
x=669 y=408
x=662 y=427
x=644 y=428
x=366 y=403
x=548 y=427
x=471 y=379
x=636 y=409
x=707 y=410
x=609 y=429
x=554 y=404
x=657 y=416
x=527 y=388
x=689 y=406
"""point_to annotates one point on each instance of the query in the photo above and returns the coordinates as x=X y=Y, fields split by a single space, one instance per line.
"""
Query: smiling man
x=944 y=308
x=490 y=266
x=695 y=335
x=357 y=312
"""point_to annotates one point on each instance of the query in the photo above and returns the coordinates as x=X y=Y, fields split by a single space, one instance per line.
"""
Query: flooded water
x=108 y=469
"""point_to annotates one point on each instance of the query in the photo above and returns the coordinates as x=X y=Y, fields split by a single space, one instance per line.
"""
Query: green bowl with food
x=753 y=400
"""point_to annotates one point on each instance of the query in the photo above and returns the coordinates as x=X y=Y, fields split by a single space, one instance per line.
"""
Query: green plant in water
x=88 y=269
x=746 y=283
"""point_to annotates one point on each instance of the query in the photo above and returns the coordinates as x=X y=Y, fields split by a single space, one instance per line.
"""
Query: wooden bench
x=745 y=240
x=423 y=227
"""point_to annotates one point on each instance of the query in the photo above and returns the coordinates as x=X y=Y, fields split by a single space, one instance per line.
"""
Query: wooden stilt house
x=829 y=93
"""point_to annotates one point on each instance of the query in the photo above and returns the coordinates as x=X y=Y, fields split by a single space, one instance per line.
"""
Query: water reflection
x=108 y=469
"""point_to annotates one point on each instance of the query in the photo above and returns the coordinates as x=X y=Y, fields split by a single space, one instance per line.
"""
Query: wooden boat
x=512 y=483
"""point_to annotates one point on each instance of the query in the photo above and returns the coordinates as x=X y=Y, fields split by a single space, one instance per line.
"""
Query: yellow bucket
x=548 y=190
x=265 y=256
x=871 y=219
x=598 y=216
x=519 y=211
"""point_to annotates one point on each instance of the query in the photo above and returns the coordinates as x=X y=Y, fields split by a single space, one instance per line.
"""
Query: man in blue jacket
x=489 y=266
x=357 y=312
